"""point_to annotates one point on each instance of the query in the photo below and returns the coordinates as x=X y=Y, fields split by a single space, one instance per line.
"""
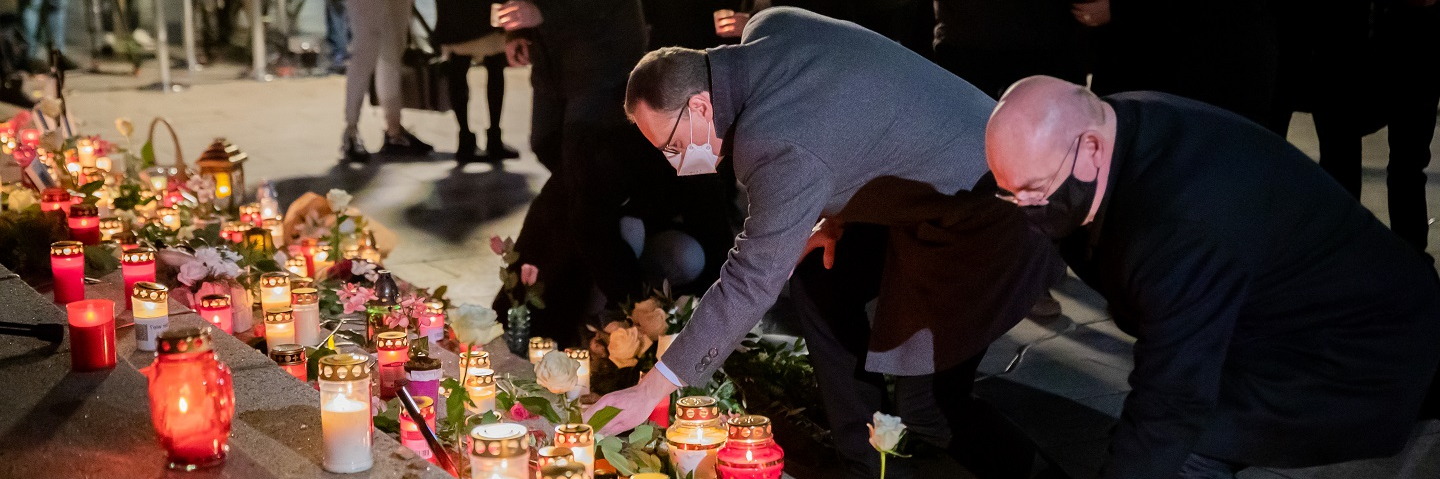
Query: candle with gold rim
x=580 y=438
x=136 y=265
x=296 y=265
x=276 y=229
x=305 y=302
x=393 y=349
x=192 y=400
x=750 y=451
x=410 y=435
x=152 y=313
x=279 y=328
x=553 y=456
x=291 y=358
x=168 y=217
x=695 y=437
x=67 y=263
x=275 y=291
x=55 y=199
x=472 y=362
x=345 y=419
x=583 y=357
x=84 y=221
x=431 y=324
x=538 y=347
x=109 y=227
x=500 y=451
x=217 y=310
x=480 y=386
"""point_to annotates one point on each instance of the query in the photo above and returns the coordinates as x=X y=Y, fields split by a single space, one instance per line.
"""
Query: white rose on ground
x=886 y=432
x=475 y=324
x=192 y=272
x=20 y=199
x=557 y=372
x=648 y=316
x=339 y=200
x=625 y=346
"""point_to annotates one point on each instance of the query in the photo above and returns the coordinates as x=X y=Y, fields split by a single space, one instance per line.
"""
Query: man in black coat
x=1278 y=323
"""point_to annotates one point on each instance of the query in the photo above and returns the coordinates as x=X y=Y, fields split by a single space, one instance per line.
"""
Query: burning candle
x=260 y=240
x=275 y=291
x=279 y=328
x=581 y=441
x=296 y=266
x=308 y=248
x=84 y=223
x=583 y=357
x=217 y=310
x=92 y=334
x=250 y=213
x=152 y=313
x=67 y=262
x=345 y=419
x=500 y=451
x=85 y=151
x=431 y=324
x=538 y=347
x=269 y=206
x=471 y=362
x=109 y=227
x=291 y=358
x=234 y=231
x=301 y=282
x=192 y=401
x=30 y=137
x=480 y=386
x=695 y=437
x=750 y=452
x=305 y=303
x=562 y=470
x=55 y=199
x=393 y=350
x=168 y=217
x=410 y=435
x=104 y=163
x=554 y=456
x=136 y=265
x=276 y=229
x=424 y=374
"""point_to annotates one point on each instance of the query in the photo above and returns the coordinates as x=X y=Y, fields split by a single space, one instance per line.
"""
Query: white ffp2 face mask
x=696 y=159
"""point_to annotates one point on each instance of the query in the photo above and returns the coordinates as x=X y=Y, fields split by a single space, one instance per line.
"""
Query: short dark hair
x=666 y=78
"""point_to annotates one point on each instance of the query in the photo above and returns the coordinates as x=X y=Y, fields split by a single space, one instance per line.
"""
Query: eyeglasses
x=668 y=149
x=1045 y=199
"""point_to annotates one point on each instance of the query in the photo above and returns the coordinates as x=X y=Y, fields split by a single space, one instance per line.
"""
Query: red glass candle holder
x=136 y=265
x=67 y=261
x=92 y=334
x=291 y=358
x=393 y=350
x=410 y=435
x=55 y=199
x=30 y=137
x=750 y=452
x=84 y=220
x=192 y=400
x=431 y=324
x=217 y=310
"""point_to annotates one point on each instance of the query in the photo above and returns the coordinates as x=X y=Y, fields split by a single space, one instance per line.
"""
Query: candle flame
x=184 y=406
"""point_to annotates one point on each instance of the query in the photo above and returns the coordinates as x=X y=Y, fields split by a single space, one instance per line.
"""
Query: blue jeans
x=54 y=12
x=337 y=31
x=1205 y=467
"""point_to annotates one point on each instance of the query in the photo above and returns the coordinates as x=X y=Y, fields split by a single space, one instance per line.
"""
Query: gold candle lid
x=542 y=343
x=288 y=354
x=424 y=404
x=215 y=301
x=578 y=354
x=697 y=408
x=483 y=377
x=111 y=223
x=84 y=209
x=250 y=208
x=344 y=367
x=143 y=254
x=67 y=248
x=475 y=359
x=183 y=340
x=153 y=292
x=435 y=307
x=568 y=470
x=273 y=279
x=574 y=434
x=302 y=282
x=551 y=455
x=392 y=340
x=298 y=262
x=279 y=316
x=749 y=428
x=305 y=296
x=53 y=195
x=504 y=439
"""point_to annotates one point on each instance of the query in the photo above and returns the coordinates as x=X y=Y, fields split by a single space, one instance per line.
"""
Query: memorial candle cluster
x=192 y=401
x=136 y=265
x=109 y=227
x=345 y=419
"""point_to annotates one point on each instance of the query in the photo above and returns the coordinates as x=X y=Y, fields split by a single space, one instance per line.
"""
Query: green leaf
x=650 y=463
x=642 y=434
x=541 y=407
x=384 y=422
x=147 y=155
x=100 y=261
x=312 y=363
x=610 y=448
x=603 y=417
x=90 y=188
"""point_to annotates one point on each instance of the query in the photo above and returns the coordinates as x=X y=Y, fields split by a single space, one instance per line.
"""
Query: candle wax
x=307 y=324
x=69 y=278
x=277 y=334
x=135 y=273
x=345 y=430
x=92 y=334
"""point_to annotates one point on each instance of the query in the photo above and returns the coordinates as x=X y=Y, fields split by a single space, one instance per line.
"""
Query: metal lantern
x=224 y=164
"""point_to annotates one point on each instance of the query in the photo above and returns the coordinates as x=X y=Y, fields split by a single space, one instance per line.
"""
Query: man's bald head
x=1034 y=127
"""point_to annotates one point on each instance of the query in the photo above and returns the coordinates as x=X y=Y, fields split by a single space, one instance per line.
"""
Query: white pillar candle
x=538 y=347
x=480 y=386
x=279 y=328
x=583 y=357
x=274 y=291
x=305 y=305
x=345 y=418
x=152 y=313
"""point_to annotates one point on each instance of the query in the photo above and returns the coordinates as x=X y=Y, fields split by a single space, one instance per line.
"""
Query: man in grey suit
x=810 y=110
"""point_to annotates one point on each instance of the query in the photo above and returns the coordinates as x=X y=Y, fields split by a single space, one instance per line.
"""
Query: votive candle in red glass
x=109 y=227
x=67 y=262
x=217 y=310
x=192 y=400
x=393 y=350
x=92 y=334
x=431 y=324
x=661 y=414
x=55 y=199
x=750 y=452
x=84 y=220
x=410 y=435
x=30 y=137
x=136 y=265
x=291 y=358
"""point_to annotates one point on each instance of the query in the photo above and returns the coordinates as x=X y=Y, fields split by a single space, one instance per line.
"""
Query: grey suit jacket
x=812 y=109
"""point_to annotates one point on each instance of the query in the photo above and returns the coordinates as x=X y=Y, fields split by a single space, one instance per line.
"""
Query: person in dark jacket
x=993 y=43
x=1278 y=322
x=460 y=37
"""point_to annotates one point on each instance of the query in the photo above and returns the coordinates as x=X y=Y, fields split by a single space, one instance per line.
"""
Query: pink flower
x=519 y=413
x=497 y=245
x=528 y=274
x=397 y=319
x=413 y=305
x=354 y=297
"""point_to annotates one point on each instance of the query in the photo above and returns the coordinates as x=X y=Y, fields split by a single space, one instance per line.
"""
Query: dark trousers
x=937 y=409
x=1410 y=41
x=337 y=31
x=459 y=88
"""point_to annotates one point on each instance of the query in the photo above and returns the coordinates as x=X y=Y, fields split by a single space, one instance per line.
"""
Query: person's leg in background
x=366 y=23
x=495 y=148
x=337 y=35
x=1338 y=37
x=393 y=38
x=457 y=69
x=30 y=11
x=1412 y=35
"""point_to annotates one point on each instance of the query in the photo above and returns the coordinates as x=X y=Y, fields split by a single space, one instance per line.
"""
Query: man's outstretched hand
x=635 y=403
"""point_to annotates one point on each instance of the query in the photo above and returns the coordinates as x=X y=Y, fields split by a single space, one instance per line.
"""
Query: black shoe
x=352 y=150
x=405 y=144
x=465 y=153
x=496 y=149
x=66 y=64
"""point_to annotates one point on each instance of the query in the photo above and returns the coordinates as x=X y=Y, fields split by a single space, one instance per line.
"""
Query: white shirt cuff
x=669 y=375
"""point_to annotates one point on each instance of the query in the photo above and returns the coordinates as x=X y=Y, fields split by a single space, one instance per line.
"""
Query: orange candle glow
x=136 y=265
x=217 y=310
x=192 y=401
x=393 y=349
x=67 y=262
x=92 y=334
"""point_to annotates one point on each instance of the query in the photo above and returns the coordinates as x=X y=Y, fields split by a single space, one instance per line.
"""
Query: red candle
x=661 y=414
x=85 y=224
x=410 y=435
x=192 y=401
x=67 y=261
x=750 y=452
x=308 y=250
x=92 y=334
x=55 y=199
x=216 y=309
x=291 y=358
x=30 y=137
x=393 y=349
x=136 y=265
x=431 y=324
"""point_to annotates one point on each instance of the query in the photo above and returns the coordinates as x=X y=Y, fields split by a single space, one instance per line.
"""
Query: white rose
x=185 y=233
x=348 y=226
x=886 y=432
x=648 y=316
x=192 y=272
x=475 y=324
x=557 y=372
x=625 y=346
x=209 y=256
x=20 y=199
x=339 y=200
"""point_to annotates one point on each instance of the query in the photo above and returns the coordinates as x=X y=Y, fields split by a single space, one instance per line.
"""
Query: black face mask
x=1067 y=207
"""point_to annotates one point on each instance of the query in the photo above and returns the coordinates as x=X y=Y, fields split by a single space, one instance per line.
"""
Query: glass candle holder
x=393 y=349
x=92 y=334
x=750 y=452
x=168 y=217
x=152 y=313
x=84 y=221
x=55 y=199
x=424 y=374
x=562 y=470
x=260 y=239
x=235 y=231
x=551 y=456
x=345 y=419
x=472 y=362
x=279 y=328
x=109 y=227
x=192 y=401
x=305 y=303
x=250 y=214
x=500 y=451
x=275 y=291
x=410 y=435
x=583 y=357
x=269 y=206
x=431 y=324
x=301 y=282
x=695 y=437
x=30 y=137
x=296 y=266
x=136 y=265
x=580 y=438
x=291 y=358
x=480 y=386
x=67 y=263
x=218 y=311
x=104 y=163
x=85 y=151
x=276 y=229
x=538 y=347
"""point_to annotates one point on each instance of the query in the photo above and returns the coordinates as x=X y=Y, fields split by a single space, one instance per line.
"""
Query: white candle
x=480 y=386
x=580 y=438
x=345 y=426
x=279 y=328
x=538 y=347
x=152 y=313
x=306 y=307
x=583 y=357
x=274 y=291
x=500 y=451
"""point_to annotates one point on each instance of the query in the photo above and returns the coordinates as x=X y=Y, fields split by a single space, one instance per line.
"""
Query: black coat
x=1278 y=323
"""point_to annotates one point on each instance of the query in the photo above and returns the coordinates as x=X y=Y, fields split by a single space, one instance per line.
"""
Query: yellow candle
x=275 y=291
x=279 y=328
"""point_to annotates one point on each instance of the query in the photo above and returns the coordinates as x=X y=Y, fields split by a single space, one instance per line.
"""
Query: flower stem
x=882 y=465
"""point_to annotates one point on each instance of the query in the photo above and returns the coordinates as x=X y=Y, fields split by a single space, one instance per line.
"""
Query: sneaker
x=405 y=144
x=352 y=150
x=1045 y=307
